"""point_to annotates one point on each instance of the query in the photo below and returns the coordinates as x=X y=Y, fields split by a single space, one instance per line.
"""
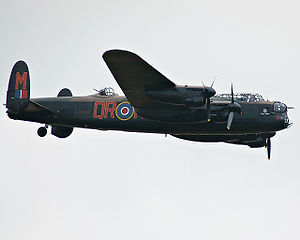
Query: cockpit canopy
x=280 y=107
x=243 y=97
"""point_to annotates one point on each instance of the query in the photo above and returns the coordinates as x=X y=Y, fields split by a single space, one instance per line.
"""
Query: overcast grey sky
x=117 y=185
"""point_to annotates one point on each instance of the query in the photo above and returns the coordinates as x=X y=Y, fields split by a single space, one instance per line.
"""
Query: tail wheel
x=42 y=131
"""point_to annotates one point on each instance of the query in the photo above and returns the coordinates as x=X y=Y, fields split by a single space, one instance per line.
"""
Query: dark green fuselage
x=99 y=112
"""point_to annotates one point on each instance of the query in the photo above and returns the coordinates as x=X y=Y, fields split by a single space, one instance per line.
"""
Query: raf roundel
x=124 y=111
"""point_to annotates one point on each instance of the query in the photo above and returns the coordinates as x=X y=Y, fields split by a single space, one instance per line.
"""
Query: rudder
x=18 y=92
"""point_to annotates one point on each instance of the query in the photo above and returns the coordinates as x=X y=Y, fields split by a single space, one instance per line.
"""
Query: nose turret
x=281 y=109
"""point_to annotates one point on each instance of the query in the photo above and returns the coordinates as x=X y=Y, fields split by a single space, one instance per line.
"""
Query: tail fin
x=18 y=92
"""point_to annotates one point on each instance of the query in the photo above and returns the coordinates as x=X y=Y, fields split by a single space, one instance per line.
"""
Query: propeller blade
x=269 y=148
x=213 y=82
x=208 y=92
x=232 y=100
x=230 y=118
x=208 y=110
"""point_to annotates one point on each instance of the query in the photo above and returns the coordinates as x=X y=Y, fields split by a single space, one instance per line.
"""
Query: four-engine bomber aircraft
x=152 y=104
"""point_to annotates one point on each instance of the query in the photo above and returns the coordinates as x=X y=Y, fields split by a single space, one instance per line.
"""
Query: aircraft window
x=243 y=97
x=280 y=107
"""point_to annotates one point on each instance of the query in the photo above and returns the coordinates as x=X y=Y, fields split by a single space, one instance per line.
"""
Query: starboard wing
x=135 y=76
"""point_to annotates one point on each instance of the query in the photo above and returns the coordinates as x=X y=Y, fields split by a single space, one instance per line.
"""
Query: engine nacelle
x=185 y=95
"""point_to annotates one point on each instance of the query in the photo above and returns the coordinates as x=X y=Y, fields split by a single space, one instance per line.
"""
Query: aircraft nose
x=283 y=120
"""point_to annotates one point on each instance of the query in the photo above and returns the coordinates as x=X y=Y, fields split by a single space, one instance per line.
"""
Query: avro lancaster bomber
x=152 y=104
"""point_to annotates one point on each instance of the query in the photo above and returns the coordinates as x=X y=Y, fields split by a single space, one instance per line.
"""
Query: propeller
x=208 y=92
x=208 y=110
x=232 y=107
x=229 y=121
x=232 y=99
x=268 y=146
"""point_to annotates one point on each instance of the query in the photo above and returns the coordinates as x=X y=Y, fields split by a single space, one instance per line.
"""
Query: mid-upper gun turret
x=107 y=91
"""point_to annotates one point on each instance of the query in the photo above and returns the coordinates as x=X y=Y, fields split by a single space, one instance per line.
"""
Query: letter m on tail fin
x=21 y=85
x=18 y=92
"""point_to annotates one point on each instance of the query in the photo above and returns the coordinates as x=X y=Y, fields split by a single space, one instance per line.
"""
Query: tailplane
x=18 y=92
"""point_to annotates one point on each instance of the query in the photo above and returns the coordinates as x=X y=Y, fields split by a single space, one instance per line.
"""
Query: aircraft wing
x=135 y=76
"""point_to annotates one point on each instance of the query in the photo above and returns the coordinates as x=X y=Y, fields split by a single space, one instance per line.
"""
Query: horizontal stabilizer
x=36 y=107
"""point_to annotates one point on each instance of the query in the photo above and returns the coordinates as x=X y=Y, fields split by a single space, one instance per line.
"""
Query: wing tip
x=116 y=53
